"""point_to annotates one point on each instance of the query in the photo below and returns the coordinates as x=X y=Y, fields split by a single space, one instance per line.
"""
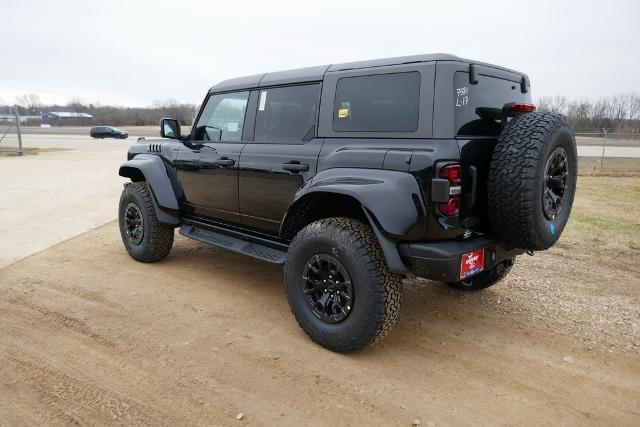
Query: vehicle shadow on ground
x=430 y=310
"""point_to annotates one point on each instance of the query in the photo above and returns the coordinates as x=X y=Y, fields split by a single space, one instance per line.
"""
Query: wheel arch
x=131 y=172
x=392 y=198
x=317 y=205
x=151 y=169
x=387 y=201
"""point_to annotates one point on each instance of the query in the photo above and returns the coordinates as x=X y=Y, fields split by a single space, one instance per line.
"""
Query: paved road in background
x=593 y=151
x=81 y=142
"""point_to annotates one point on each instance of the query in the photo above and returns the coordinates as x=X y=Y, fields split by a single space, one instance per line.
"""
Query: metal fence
x=604 y=139
x=8 y=125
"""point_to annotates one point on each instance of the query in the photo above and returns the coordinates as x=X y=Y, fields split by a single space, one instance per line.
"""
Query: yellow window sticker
x=343 y=112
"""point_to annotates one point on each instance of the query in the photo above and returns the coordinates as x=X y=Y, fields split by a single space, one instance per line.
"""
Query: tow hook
x=529 y=252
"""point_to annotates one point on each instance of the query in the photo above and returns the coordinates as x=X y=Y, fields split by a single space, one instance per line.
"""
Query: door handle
x=224 y=161
x=295 y=167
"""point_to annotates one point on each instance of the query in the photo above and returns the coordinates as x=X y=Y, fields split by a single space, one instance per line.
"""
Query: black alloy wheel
x=555 y=182
x=134 y=223
x=328 y=288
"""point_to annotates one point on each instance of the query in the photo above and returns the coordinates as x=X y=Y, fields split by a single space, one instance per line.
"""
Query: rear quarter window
x=377 y=103
x=476 y=106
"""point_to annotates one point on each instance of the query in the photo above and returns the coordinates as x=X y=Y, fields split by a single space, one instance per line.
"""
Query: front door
x=282 y=156
x=207 y=164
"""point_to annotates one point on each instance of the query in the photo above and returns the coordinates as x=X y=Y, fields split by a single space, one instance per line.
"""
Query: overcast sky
x=132 y=52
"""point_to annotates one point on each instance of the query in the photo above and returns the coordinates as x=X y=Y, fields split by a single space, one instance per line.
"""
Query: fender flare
x=154 y=172
x=391 y=200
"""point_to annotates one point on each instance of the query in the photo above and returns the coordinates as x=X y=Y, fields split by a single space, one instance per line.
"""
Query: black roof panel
x=310 y=74
x=394 y=61
x=294 y=76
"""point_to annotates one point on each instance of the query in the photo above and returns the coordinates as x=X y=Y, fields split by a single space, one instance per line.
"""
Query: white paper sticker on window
x=263 y=100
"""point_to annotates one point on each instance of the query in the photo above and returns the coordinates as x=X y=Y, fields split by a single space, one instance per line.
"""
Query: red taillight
x=521 y=107
x=451 y=208
x=453 y=173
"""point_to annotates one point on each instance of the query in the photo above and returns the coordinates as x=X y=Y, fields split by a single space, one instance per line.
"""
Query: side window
x=287 y=114
x=377 y=103
x=222 y=118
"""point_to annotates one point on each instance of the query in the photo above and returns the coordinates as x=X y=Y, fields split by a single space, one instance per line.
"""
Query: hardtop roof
x=317 y=73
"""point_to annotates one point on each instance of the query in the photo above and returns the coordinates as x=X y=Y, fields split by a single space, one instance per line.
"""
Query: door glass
x=286 y=114
x=222 y=118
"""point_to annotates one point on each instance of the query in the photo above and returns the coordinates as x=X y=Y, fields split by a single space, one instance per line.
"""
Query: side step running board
x=243 y=246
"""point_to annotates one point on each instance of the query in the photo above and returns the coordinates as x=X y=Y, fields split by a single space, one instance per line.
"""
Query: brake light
x=451 y=208
x=453 y=173
x=521 y=107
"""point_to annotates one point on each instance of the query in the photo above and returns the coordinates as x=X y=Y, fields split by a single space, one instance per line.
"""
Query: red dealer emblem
x=472 y=263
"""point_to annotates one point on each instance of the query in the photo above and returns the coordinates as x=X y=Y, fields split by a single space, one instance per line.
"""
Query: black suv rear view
x=354 y=176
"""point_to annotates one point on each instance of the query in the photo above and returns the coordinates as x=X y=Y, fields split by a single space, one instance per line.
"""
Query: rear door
x=283 y=155
x=207 y=164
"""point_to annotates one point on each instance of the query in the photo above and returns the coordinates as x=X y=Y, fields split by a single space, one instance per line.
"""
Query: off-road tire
x=157 y=238
x=485 y=279
x=516 y=182
x=377 y=291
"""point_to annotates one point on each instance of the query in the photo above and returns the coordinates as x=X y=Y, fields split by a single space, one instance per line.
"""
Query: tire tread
x=387 y=286
x=513 y=177
x=161 y=239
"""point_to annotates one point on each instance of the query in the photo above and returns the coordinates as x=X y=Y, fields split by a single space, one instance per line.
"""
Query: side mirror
x=170 y=128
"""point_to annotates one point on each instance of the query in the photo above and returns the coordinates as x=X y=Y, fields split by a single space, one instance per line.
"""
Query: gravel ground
x=89 y=336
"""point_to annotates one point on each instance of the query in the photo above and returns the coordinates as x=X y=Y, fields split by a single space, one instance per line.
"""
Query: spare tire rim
x=327 y=288
x=133 y=223
x=555 y=183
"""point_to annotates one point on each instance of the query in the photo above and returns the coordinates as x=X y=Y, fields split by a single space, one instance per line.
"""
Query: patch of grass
x=612 y=166
x=606 y=224
x=617 y=199
x=605 y=220
x=29 y=151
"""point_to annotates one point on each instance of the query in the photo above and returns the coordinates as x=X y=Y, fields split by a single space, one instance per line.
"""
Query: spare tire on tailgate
x=532 y=180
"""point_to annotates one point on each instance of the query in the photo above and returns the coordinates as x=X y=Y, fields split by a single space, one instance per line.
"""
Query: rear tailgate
x=477 y=124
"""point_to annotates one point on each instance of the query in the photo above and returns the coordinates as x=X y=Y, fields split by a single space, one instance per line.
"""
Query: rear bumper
x=441 y=260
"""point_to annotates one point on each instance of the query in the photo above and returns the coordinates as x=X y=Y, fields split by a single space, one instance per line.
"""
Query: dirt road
x=52 y=196
x=90 y=336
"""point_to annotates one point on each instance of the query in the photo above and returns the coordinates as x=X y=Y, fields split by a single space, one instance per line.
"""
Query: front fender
x=393 y=198
x=154 y=172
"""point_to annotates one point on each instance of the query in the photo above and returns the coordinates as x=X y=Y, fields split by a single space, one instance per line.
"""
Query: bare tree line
x=618 y=113
x=30 y=105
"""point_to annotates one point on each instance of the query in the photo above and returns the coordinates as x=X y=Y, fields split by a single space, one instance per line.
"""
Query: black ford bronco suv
x=356 y=175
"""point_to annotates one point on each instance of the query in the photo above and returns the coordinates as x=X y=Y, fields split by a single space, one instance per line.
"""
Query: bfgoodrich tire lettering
x=376 y=291
x=157 y=238
x=517 y=180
